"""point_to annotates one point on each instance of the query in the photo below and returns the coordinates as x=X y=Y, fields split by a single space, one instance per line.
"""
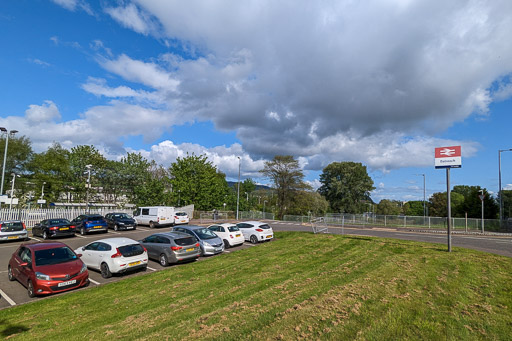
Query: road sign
x=448 y=157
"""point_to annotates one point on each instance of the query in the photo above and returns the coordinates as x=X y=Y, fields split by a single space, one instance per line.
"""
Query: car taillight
x=176 y=217
x=72 y=226
x=24 y=227
x=53 y=228
x=231 y=236
x=197 y=244
x=259 y=230
x=145 y=250
x=117 y=254
x=176 y=248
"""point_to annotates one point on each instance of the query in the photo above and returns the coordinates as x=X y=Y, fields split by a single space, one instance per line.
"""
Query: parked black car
x=86 y=223
x=53 y=228
x=120 y=221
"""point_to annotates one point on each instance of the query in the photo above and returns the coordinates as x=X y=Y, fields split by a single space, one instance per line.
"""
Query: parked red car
x=47 y=268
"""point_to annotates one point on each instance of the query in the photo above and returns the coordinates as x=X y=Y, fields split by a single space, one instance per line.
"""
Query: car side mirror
x=83 y=248
x=79 y=255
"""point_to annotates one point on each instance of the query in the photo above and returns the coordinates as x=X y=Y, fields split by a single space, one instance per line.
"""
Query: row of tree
x=83 y=174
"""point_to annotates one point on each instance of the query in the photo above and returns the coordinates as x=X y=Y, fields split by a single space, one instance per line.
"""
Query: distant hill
x=233 y=185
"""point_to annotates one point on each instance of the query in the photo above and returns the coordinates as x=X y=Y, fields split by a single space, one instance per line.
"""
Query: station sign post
x=448 y=157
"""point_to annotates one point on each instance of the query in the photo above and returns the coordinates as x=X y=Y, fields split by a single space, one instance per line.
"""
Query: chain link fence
x=439 y=223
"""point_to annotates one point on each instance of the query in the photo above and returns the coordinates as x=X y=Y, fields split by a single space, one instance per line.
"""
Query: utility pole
x=238 y=190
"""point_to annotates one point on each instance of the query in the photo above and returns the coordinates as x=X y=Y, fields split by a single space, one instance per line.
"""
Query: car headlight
x=84 y=267
x=120 y=223
x=40 y=275
x=206 y=244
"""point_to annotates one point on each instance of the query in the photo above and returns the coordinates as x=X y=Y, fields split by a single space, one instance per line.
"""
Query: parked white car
x=256 y=231
x=229 y=233
x=114 y=255
x=181 y=218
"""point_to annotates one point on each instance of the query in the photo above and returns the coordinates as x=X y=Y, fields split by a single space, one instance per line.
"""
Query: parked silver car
x=171 y=247
x=209 y=242
x=13 y=230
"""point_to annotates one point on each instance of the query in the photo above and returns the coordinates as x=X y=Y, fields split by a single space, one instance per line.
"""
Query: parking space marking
x=7 y=298
x=3 y=271
x=227 y=251
x=81 y=236
x=93 y=281
x=114 y=232
x=151 y=269
x=35 y=239
x=249 y=244
x=140 y=228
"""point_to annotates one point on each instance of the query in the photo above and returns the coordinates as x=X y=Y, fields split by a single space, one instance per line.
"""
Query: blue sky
x=259 y=78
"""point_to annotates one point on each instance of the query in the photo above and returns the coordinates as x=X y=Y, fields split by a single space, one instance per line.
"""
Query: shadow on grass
x=9 y=329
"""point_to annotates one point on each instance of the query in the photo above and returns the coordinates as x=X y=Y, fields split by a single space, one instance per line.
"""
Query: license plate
x=270 y=236
x=134 y=263
x=13 y=237
x=64 y=228
x=188 y=250
x=63 y=284
x=98 y=227
x=162 y=219
x=183 y=221
x=238 y=235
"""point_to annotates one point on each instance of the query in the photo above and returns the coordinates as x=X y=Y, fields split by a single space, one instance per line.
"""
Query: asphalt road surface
x=13 y=293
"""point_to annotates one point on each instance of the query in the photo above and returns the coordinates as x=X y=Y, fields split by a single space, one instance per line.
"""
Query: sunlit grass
x=300 y=286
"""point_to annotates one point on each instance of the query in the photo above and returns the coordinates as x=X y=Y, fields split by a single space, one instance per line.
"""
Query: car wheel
x=152 y=224
x=82 y=231
x=254 y=239
x=9 y=274
x=226 y=244
x=115 y=227
x=45 y=235
x=163 y=260
x=30 y=289
x=105 y=271
x=145 y=268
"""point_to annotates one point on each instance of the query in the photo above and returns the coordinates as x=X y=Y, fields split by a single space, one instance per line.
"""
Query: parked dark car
x=13 y=230
x=47 y=268
x=49 y=228
x=86 y=223
x=120 y=221
x=171 y=247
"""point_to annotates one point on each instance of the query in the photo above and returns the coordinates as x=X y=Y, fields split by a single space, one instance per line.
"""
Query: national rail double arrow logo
x=447 y=152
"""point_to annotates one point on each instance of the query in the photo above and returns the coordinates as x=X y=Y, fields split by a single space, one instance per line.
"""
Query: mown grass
x=300 y=286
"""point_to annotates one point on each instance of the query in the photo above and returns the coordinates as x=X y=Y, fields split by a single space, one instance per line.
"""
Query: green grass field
x=300 y=286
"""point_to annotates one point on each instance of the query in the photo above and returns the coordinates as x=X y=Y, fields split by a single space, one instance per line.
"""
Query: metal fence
x=32 y=216
x=469 y=224
x=224 y=216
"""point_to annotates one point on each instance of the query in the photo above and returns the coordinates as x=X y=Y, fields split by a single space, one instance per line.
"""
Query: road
x=13 y=293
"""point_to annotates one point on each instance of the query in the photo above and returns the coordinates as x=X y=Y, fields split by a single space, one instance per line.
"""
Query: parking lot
x=13 y=293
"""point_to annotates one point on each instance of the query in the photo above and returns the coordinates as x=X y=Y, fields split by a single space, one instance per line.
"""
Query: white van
x=155 y=216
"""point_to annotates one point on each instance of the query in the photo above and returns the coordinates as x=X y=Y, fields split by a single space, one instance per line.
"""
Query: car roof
x=173 y=234
x=9 y=221
x=226 y=224
x=120 y=241
x=44 y=245
x=253 y=222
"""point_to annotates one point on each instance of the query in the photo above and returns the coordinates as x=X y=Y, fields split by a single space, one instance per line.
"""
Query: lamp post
x=238 y=189
x=424 y=196
x=499 y=189
x=179 y=198
x=265 y=201
x=42 y=193
x=12 y=188
x=482 y=197
x=7 y=134
x=87 y=186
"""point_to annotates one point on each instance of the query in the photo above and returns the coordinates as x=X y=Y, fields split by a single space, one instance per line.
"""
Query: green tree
x=79 y=158
x=472 y=203
x=507 y=203
x=195 y=180
x=19 y=153
x=389 y=207
x=347 y=186
x=308 y=203
x=285 y=173
x=438 y=204
x=413 y=208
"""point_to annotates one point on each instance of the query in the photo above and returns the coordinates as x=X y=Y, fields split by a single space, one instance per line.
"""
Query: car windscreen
x=233 y=229
x=264 y=226
x=94 y=218
x=121 y=216
x=185 y=241
x=54 y=256
x=205 y=234
x=58 y=221
x=11 y=226
x=131 y=250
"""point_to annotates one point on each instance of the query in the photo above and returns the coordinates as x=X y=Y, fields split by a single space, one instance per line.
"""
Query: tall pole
x=238 y=190
x=482 y=197
x=42 y=193
x=264 y=208
x=88 y=185
x=449 y=208
x=499 y=188
x=424 y=197
x=12 y=189
x=7 y=134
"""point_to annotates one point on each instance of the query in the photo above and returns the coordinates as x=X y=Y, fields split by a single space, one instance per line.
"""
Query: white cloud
x=36 y=114
x=73 y=5
x=131 y=17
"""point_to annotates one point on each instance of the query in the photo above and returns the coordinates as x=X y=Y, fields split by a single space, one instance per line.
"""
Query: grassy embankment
x=298 y=286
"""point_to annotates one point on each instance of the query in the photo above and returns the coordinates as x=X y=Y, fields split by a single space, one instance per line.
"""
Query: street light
x=179 y=197
x=264 y=208
x=238 y=190
x=499 y=190
x=424 y=196
x=247 y=194
x=12 y=189
x=88 y=185
x=42 y=193
x=7 y=134
x=482 y=197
